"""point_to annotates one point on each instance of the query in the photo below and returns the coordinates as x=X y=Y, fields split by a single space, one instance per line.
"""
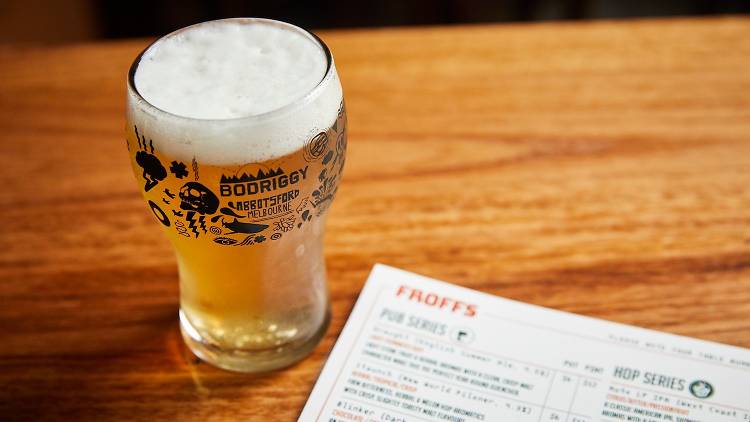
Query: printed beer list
x=417 y=349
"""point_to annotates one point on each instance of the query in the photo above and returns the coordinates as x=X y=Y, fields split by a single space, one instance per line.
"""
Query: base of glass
x=244 y=361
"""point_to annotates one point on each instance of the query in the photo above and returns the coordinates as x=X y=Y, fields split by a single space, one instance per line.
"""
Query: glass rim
x=307 y=97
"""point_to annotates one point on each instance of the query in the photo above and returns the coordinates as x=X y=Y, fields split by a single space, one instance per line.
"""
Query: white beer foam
x=234 y=91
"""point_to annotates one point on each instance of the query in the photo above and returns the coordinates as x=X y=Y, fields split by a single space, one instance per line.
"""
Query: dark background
x=75 y=20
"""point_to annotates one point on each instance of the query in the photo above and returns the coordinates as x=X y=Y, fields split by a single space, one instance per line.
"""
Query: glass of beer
x=236 y=131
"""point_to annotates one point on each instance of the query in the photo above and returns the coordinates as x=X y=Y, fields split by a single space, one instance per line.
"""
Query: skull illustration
x=196 y=197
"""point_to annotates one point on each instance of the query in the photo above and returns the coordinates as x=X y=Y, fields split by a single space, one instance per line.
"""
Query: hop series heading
x=650 y=378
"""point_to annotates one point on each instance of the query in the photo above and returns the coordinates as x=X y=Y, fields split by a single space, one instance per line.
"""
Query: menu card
x=417 y=349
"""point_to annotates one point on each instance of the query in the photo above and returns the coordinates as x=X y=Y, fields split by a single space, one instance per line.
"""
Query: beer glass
x=243 y=201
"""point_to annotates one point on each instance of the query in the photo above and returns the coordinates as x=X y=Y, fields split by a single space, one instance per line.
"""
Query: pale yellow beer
x=246 y=217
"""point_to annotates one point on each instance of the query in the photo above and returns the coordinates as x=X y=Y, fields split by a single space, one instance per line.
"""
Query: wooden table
x=598 y=168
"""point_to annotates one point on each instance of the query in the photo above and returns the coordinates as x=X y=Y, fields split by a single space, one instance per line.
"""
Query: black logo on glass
x=316 y=146
x=246 y=228
x=159 y=214
x=196 y=197
x=178 y=169
x=153 y=171
x=701 y=389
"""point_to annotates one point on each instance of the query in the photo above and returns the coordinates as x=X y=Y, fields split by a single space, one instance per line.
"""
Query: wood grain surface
x=599 y=168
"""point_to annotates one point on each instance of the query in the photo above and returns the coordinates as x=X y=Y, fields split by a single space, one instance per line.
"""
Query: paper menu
x=417 y=349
